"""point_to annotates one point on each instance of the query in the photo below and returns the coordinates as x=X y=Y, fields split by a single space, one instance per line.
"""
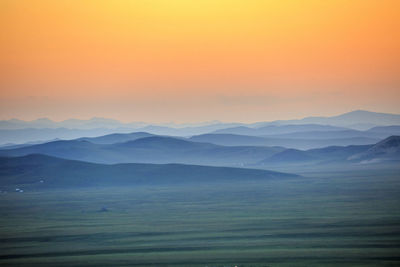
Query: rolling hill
x=39 y=171
x=311 y=131
x=116 y=138
x=393 y=129
x=278 y=129
x=155 y=149
x=161 y=150
x=20 y=136
x=296 y=143
x=314 y=135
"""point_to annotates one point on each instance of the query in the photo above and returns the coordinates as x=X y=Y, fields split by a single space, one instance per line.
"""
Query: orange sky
x=186 y=60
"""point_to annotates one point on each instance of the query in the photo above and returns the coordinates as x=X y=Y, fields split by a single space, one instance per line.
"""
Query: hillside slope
x=385 y=150
x=40 y=171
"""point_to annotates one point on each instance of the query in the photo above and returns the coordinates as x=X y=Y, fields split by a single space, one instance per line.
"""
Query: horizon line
x=192 y=122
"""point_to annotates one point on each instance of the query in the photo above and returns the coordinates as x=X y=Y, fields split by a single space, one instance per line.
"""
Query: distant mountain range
x=358 y=119
x=300 y=134
x=311 y=131
x=21 y=136
x=278 y=129
x=155 y=149
x=294 y=142
x=35 y=172
x=159 y=149
x=104 y=123
x=69 y=124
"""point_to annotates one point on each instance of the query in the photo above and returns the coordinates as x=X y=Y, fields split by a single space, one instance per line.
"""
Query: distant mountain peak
x=101 y=119
x=359 y=111
x=42 y=120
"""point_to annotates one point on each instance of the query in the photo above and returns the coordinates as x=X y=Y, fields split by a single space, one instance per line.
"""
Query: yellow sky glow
x=186 y=60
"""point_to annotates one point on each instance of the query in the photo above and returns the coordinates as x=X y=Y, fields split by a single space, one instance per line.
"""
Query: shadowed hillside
x=385 y=150
x=39 y=171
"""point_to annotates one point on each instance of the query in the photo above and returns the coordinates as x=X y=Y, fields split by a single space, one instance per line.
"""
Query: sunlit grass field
x=323 y=220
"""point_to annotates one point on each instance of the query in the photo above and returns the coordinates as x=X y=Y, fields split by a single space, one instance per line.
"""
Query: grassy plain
x=331 y=219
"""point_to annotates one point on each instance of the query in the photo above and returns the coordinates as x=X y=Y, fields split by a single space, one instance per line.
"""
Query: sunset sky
x=190 y=61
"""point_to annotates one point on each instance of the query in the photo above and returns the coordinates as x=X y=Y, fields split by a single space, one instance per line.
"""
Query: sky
x=191 y=61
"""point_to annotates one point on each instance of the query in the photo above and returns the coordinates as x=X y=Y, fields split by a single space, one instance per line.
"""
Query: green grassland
x=350 y=219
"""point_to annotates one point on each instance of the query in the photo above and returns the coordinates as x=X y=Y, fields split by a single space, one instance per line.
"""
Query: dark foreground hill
x=40 y=171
